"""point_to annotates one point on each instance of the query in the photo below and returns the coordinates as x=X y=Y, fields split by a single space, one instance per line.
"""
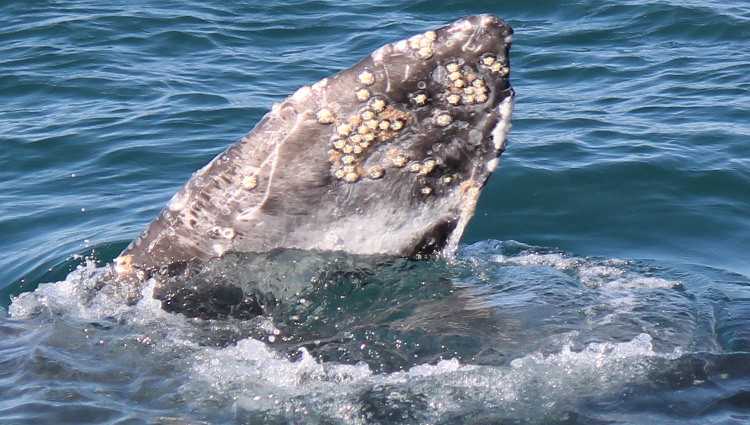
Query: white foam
x=252 y=376
x=263 y=380
x=80 y=296
x=611 y=273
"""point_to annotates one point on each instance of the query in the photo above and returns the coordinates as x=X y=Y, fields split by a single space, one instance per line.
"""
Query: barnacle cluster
x=495 y=65
x=377 y=122
x=463 y=85
x=422 y=44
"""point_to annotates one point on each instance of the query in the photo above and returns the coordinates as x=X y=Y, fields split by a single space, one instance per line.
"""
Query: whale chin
x=388 y=157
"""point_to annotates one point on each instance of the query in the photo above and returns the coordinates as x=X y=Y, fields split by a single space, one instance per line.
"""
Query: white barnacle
x=478 y=83
x=447 y=179
x=427 y=167
x=425 y=52
x=488 y=60
x=454 y=99
x=399 y=160
x=366 y=77
x=378 y=105
x=355 y=138
x=459 y=83
x=355 y=120
x=325 y=116
x=397 y=125
x=347 y=149
x=227 y=232
x=347 y=159
x=339 y=173
x=431 y=35
x=469 y=98
x=363 y=129
x=496 y=67
x=453 y=67
x=344 y=129
x=481 y=98
x=371 y=124
x=415 y=167
x=357 y=149
x=367 y=115
x=384 y=125
x=426 y=190
x=339 y=144
x=414 y=42
x=375 y=172
x=420 y=99
x=351 y=177
x=455 y=75
x=363 y=95
x=443 y=120
x=250 y=182
x=369 y=137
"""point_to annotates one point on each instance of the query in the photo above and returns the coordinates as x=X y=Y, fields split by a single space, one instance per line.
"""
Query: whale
x=387 y=157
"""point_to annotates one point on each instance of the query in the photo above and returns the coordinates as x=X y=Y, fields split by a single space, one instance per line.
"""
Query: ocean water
x=604 y=278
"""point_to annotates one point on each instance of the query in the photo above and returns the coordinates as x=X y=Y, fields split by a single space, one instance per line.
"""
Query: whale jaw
x=386 y=157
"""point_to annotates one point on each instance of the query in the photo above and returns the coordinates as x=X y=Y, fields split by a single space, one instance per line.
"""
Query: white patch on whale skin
x=250 y=213
x=219 y=249
x=320 y=84
x=378 y=55
x=178 y=201
x=492 y=164
x=407 y=70
x=302 y=94
x=500 y=132
x=488 y=20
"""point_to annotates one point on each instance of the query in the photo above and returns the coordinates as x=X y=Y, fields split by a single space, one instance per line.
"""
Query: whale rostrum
x=386 y=157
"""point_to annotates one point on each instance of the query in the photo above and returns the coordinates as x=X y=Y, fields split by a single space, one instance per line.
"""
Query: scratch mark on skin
x=387 y=79
x=248 y=215
x=470 y=40
x=406 y=73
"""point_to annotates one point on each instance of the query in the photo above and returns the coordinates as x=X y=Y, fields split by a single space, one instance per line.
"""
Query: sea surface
x=603 y=280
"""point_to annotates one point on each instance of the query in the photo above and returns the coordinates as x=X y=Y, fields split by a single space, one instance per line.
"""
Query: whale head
x=386 y=157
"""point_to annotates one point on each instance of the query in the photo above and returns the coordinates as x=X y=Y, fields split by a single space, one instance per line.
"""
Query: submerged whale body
x=387 y=157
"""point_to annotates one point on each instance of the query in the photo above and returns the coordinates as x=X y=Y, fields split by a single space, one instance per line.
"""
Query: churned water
x=626 y=184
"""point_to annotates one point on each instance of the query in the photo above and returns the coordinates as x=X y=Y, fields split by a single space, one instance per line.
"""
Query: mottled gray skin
x=287 y=185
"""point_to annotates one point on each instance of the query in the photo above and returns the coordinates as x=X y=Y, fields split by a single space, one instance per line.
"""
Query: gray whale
x=386 y=157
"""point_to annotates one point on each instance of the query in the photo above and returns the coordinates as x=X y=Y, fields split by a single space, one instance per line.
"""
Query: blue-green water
x=626 y=181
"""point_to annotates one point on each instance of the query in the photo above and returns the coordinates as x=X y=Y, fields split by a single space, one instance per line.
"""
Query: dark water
x=626 y=181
